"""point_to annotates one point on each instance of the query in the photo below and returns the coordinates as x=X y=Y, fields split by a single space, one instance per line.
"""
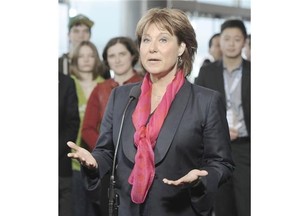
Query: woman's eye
x=145 y=40
x=164 y=40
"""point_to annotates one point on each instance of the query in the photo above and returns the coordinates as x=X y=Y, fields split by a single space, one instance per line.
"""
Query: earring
x=180 y=61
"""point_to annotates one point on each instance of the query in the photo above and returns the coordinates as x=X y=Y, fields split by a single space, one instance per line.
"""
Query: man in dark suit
x=231 y=77
x=69 y=121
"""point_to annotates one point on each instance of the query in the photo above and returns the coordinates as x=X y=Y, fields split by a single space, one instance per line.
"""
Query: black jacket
x=69 y=121
x=194 y=135
x=211 y=76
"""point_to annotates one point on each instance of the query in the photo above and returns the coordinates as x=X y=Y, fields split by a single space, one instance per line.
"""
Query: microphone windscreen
x=135 y=92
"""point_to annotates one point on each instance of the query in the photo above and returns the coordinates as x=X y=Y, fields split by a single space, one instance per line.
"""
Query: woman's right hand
x=84 y=157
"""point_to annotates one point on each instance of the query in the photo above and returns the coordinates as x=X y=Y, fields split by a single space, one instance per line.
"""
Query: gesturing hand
x=192 y=176
x=82 y=155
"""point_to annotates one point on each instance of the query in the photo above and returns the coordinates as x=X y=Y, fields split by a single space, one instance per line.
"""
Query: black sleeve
x=69 y=119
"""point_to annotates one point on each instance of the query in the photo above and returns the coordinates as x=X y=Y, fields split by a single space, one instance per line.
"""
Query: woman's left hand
x=192 y=176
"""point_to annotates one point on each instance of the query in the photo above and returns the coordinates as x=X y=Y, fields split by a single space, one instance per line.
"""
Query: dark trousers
x=82 y=204
x=233 y=197
x=99 y=196
x=65 y=196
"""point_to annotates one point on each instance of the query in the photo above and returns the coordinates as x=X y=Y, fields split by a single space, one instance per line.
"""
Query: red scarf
x=145 y=136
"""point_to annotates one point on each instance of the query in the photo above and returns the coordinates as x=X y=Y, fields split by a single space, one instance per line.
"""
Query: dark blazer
x=211 y=76
x=194 y=136
x=69 y=121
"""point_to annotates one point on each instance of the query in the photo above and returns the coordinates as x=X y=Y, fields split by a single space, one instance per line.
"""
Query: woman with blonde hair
x=174 y=149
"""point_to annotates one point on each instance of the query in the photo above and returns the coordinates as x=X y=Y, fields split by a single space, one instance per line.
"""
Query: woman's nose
x=117 y=59
x=153 y=47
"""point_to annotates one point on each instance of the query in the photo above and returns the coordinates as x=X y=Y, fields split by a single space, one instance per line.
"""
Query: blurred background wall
x=119 y=17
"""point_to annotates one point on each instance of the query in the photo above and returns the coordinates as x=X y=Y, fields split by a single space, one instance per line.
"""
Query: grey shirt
x=235 y=116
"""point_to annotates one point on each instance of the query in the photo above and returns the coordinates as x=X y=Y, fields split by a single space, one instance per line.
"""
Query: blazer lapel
x=127 y=139
x=171 y=122
x=220 y=79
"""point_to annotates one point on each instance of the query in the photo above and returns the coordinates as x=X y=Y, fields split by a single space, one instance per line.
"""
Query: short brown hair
x=176 y=23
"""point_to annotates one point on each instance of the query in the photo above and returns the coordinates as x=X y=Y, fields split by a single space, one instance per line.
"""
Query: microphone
x=113 y=197
x=135 y=92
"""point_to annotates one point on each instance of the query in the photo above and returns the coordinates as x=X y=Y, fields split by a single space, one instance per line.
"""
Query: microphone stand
x=114 y=200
